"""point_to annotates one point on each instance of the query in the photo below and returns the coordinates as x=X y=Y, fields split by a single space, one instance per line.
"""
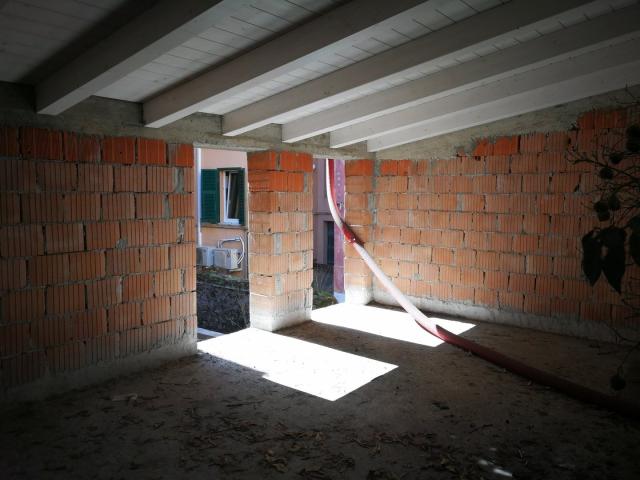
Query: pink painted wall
x=222 y=158
x=321 y=213
x=211 y=234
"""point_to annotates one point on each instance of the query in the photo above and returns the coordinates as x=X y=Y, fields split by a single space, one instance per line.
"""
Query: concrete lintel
x=102 y=116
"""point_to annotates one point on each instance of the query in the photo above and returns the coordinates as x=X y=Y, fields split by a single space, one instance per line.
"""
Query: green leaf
x=604 y=216
x=634 y=247
x=617 y=382
x=591 y=256
x=633 y=146
x=600 y=206
x=606 y=173
x=633 y=138
x=613 y=263
x=613 y=237
x=614 y=203
x=613 y=268
x=633 y=131
x=616 y=157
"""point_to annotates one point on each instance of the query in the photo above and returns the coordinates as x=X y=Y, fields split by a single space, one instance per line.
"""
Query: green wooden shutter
x=241 y=214
x=210 y=196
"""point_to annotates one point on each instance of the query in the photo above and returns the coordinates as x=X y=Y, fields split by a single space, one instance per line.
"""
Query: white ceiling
x=420 y=21
x=254 y=22
x=383 y=72
x=33 y=31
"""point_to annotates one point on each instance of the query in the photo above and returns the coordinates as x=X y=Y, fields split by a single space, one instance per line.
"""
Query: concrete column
x=280 y=238
x=358 y=280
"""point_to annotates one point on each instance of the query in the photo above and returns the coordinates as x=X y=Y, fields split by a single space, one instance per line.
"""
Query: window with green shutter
x=233 y=196
x=232 y=182
x=210 y=196
x=241 y=194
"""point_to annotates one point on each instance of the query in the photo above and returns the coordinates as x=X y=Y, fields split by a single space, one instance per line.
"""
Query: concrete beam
x=550 y=119
x=585 y=83
x=101 y=116
x=159 y=29
x=327 y=33
x=466 y=100
x=445 y=44
x=601 y=31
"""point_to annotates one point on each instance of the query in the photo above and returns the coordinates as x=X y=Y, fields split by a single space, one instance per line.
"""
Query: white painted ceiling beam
x=612 y=69
x=478 y=30
x=157 y=30
x=328 y=32
x=345 y=119
x=559 y=70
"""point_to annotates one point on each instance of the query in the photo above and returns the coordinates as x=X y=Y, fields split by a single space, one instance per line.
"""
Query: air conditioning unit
x=227 y=258
x=204 y=256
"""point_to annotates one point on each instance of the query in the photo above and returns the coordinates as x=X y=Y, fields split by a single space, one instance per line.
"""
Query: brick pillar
x=280 y=238
x=358 y=198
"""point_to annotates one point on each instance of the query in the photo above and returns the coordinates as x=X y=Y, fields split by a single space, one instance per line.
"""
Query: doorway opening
x=328 y=251
x=222 y=288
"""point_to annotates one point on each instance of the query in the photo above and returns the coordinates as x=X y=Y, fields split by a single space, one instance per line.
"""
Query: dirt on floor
x=441 y=414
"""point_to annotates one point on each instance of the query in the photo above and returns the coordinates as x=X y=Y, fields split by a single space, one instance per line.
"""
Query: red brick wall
x=499 y=227
x=280 y=238
x=97 y=256
x=359 y=202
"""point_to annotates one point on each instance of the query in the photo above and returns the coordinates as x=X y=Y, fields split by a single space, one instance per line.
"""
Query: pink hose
x=572 y=389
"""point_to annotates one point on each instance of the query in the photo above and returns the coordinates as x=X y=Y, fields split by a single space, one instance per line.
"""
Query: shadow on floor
x=439 y=414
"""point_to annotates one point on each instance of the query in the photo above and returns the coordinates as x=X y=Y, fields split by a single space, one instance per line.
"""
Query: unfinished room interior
x=467 y=171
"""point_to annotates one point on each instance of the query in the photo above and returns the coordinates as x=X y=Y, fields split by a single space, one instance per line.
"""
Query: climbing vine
x=609 y=249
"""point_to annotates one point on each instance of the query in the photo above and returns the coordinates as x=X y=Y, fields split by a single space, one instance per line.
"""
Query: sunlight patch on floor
x=384 y=322
x=321 y=371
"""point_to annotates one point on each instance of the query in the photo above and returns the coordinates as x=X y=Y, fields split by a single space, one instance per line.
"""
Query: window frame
x=215 y=198
x=225 y=180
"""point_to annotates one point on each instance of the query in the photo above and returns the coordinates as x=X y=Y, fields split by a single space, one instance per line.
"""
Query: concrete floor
x=431 y=412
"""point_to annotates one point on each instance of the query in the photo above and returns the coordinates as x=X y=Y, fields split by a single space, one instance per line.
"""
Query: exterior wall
x=280 y=239
x=493 y=235
x=321 y=213
x=210 y=233
x=97 y=258
x=212 y=158
x=338 y=244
